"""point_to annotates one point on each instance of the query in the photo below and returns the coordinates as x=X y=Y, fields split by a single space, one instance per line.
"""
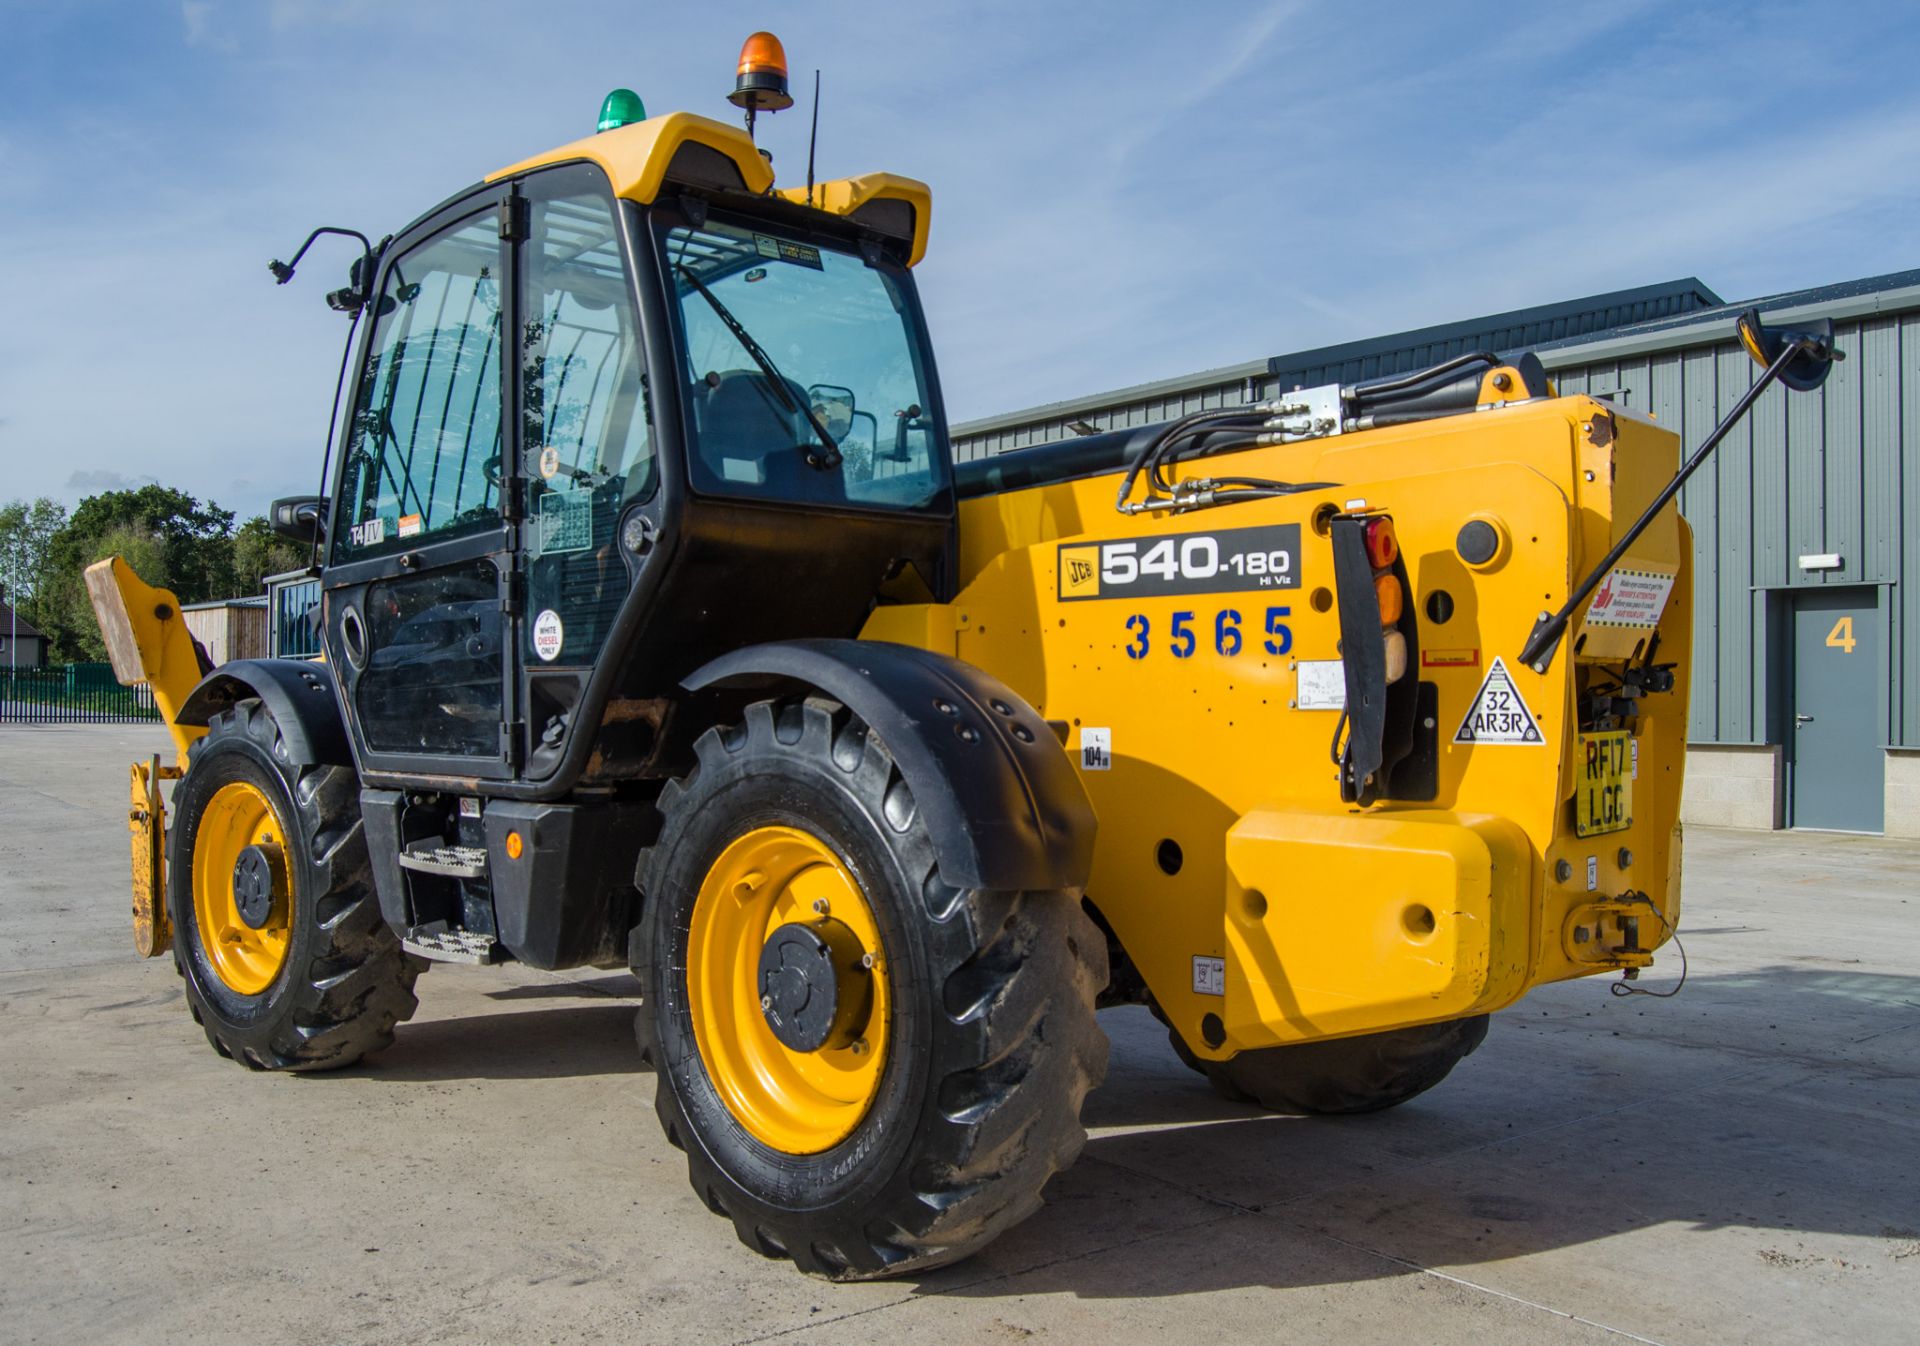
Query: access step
x=443 y=944
x=453 y=862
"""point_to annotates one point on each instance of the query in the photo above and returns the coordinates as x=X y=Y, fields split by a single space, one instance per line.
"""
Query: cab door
x=420 y=613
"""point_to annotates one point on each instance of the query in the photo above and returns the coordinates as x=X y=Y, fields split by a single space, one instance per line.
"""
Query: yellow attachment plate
x=792 y=1101
x=247 y=960
x=1351 y=923
x=148 y=641
x=147 y=831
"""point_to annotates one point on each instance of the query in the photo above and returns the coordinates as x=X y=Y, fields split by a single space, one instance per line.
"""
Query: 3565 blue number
x=1227 y=639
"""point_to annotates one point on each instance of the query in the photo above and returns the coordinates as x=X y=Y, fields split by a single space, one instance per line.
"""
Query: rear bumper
x=1341 y=923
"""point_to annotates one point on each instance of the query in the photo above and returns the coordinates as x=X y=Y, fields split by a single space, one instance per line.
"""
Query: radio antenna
x=813 y=137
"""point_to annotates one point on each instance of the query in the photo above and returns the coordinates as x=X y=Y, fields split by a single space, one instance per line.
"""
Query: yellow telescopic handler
x=660 y=631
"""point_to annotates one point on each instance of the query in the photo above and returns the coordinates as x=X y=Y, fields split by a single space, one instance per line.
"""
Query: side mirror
x=833 y=405
x=299 y=518
x=1813 y=353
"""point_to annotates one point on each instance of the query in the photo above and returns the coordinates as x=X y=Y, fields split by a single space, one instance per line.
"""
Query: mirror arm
x=1545 y=637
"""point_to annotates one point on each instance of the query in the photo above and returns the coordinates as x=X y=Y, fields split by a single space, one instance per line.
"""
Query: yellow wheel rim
x=796 y=1102
x=247 y=960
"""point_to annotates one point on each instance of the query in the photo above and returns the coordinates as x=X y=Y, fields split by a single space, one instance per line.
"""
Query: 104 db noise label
x=1224 y=561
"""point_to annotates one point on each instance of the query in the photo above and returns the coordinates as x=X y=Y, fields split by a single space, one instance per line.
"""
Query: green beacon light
x=620 y=108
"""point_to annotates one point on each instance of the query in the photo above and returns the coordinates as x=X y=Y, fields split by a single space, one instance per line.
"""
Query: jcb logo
x=1080 y=572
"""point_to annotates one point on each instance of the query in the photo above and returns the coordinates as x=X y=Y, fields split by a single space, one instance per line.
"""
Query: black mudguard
x=1002 y=802
x=298 y=693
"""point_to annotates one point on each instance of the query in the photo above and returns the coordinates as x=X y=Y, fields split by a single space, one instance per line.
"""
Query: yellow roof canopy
x=640 y=158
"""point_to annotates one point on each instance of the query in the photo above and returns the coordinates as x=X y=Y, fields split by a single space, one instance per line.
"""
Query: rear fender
x=1003 y=805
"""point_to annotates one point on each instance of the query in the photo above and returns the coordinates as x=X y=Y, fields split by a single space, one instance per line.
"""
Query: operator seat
x=742 y=420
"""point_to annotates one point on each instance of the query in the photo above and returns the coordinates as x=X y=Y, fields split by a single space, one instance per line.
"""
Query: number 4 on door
x=1841 y=637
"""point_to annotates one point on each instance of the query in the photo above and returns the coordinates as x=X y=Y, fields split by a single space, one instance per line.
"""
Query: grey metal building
x=1806 y=694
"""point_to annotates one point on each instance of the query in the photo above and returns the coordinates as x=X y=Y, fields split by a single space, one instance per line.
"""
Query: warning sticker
x=1209 y=975
x=1630 y=598
x=548 y=635
x=1321 y=684
x=1498 y=714
x=1096 y=749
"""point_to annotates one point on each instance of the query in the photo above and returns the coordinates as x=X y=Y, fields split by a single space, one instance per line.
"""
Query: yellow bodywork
x=147 y=641
x=635 y=159
x=1328 y=918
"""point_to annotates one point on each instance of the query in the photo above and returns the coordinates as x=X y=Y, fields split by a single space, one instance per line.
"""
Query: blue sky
x=1122 y=191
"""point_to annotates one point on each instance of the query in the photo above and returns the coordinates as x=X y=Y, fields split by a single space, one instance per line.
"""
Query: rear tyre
x=947 y=1088
x=1342 y=1075
x=278 y=934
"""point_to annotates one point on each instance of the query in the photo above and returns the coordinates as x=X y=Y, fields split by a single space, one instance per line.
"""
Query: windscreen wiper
x=829 y=456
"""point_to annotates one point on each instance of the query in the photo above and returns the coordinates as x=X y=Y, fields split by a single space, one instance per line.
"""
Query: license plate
x=1603 y=791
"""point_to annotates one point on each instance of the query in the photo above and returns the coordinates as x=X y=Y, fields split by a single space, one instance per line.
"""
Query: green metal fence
x=71 y=694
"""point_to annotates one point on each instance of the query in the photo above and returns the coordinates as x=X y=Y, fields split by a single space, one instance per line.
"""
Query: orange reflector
x=1396 y=656
x=1392 y=598
x=515 y=845
x=1383 y=548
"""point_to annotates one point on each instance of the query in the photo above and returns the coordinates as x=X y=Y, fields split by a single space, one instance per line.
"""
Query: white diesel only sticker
x=548 y=635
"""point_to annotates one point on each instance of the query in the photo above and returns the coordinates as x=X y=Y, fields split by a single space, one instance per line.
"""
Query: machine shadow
x=548 y=1043
x=1750 y=1113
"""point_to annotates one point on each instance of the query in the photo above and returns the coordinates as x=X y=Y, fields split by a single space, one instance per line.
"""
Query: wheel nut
x=766 y=1002
x=858 y=1047
x=866 y=961
x=820 y=905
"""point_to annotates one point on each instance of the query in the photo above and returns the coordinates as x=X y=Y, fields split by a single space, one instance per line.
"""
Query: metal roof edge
x=1093 y=403
x=1712 y=326
x=1336 y=353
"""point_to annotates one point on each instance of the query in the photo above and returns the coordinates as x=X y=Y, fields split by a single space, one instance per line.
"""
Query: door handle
x=1804 y=719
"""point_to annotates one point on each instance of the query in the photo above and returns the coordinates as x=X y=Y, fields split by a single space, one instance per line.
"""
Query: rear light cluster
x=1383 y=549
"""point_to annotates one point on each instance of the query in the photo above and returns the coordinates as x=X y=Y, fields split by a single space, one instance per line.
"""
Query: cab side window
x=422 y=457
x=585 y=425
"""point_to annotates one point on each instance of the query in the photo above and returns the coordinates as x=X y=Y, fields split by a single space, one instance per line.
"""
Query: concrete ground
x=1737 y=1164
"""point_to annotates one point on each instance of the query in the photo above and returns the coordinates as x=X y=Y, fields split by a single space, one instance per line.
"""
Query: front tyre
x=873 y=1073
x=278 y=934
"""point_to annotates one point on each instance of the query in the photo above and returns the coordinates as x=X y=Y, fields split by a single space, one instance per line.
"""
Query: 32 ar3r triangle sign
x=1498 y=714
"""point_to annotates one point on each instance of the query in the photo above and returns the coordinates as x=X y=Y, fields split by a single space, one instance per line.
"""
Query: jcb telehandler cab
x=660 y=630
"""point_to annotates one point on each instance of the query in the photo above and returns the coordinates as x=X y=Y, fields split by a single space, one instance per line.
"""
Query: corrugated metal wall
x=1832 y=471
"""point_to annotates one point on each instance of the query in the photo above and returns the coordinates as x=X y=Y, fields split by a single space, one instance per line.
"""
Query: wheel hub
x=256 y=883
x=814 y=990
x=788 y=989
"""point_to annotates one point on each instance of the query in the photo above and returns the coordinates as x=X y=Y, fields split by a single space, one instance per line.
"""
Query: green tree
x=259 y=552
x=26 y=530
x=178 y=541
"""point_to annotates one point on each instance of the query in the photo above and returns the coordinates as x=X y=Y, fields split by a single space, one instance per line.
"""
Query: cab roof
x=640 y=159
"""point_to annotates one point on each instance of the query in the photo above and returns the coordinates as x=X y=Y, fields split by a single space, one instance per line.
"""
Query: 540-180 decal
x=1224 y=561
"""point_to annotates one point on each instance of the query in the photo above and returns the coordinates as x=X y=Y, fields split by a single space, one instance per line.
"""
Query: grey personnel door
x=1836 y=776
